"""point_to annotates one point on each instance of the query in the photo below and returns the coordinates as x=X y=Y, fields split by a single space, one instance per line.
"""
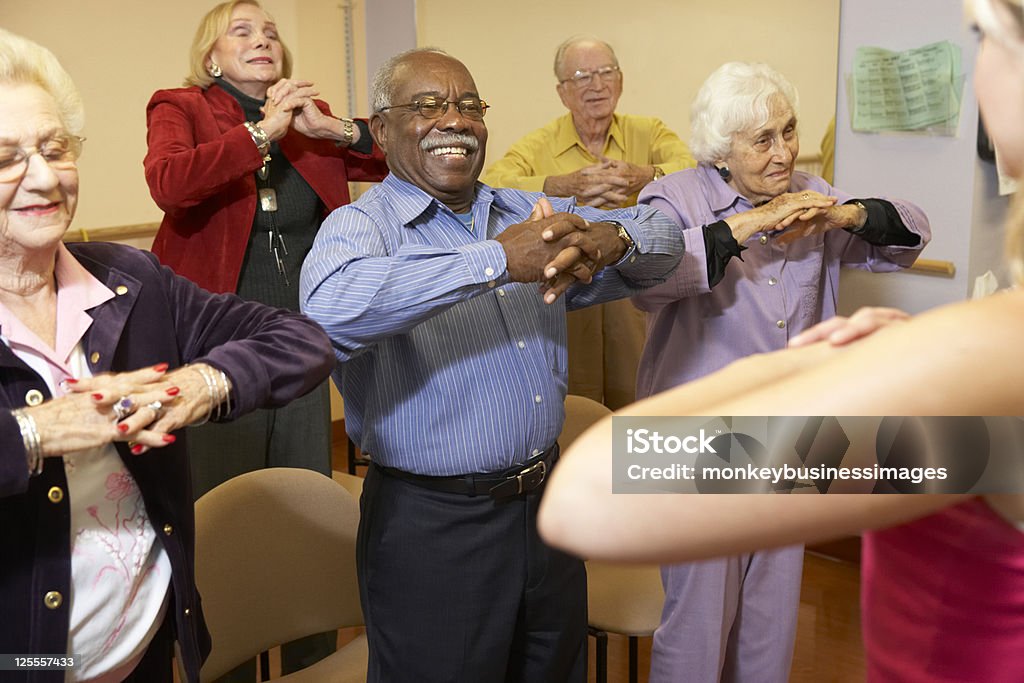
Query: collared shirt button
x=763 y=239
x=121 y=290
x=772 y=281
x=95 y=357
x=521 y=344
x=34 y=397
x=537 y=399
x=168 y=529
x=488 y=271
x=501 y=292
x=53 y=600
x=780 y=324
x=491 y=284
x=55 y=494
x=188 y=612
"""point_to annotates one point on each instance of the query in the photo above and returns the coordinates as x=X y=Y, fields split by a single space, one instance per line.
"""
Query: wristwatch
x=623 y=235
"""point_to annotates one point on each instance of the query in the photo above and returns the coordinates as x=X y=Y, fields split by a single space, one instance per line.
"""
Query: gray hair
x=23 y=61
x=735 y=97
x=383 y=89
x=572 y=42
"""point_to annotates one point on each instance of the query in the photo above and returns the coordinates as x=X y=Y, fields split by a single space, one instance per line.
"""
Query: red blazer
x=200 y=167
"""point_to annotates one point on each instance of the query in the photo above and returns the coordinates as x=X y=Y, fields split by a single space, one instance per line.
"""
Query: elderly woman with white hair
x=735 y=618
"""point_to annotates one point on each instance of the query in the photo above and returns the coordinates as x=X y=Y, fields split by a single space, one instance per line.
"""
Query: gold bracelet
x=259 y=137
x=348 y=134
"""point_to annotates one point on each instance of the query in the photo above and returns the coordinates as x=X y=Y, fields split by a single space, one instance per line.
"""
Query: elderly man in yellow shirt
x=603 y=159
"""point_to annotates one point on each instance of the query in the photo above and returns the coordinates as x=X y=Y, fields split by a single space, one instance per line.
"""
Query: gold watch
x=623 y=235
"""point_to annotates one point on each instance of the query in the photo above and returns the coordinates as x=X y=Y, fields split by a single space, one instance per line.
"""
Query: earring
x=214 y=70
x=724 y=172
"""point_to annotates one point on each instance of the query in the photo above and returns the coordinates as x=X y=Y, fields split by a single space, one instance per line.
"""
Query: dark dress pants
x=461 y=589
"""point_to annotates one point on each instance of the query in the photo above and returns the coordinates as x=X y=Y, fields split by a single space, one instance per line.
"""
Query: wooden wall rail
x=933 y=267
x=113 y=234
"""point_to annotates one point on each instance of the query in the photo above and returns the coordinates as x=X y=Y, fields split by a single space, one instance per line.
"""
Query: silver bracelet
x=210 y=388
x=30 y=437
x=220 y=396
x=226 y=403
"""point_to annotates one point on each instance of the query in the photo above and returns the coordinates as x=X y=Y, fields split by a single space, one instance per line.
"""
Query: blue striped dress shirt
x=446 y=366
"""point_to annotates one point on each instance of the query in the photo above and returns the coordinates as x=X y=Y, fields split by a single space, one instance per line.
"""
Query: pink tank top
x=943 y=599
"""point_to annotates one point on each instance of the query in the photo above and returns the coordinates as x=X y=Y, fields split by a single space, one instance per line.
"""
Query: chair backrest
x=275 y=561
x=580 y=413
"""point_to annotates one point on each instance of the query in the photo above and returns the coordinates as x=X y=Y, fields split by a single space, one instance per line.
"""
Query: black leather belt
x=515 y=481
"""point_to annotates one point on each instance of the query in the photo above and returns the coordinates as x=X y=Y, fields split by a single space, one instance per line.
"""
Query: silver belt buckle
x=541 y=465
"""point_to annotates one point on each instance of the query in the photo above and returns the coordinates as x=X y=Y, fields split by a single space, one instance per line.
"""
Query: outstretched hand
x=842 y=330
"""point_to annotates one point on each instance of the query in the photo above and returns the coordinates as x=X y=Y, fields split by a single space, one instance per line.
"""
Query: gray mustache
x=450 y=140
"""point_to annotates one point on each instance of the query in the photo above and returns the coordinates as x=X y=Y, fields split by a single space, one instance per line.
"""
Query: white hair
x=23 y=61
x=735 y=97
x=574 y=41
x=383 y=89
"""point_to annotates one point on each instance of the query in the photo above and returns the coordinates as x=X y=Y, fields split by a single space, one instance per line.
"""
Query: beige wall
x=666 y=49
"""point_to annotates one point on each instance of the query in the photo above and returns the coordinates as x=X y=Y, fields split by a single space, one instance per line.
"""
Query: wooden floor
x=828 y=646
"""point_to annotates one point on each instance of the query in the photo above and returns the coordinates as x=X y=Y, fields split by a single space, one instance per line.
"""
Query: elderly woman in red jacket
x=245 y=164
x=104 y=357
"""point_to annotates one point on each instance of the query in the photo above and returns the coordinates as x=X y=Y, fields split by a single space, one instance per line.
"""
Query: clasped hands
x=141 y=407
x=290 y=103
x=796 y=215
x=607 y=184
x=558 y=249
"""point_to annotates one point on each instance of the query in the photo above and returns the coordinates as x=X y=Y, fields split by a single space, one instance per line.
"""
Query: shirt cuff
x=883 y=227
x=719 y=247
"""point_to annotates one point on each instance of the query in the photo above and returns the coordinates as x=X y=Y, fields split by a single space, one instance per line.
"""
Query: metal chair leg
x=634 y=656
x=265 y=665
x=351 y=456
x=601 y=666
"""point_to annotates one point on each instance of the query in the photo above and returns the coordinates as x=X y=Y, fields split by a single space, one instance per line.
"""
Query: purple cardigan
x=271 y=356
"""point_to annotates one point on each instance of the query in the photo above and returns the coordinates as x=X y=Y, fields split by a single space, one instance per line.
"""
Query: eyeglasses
x=472 y=108
x=60 y=152
x=582 y=79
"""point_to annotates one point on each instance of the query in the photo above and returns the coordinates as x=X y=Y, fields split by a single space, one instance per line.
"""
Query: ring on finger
x=805 y=196
x=123 y=407
x=156 y=407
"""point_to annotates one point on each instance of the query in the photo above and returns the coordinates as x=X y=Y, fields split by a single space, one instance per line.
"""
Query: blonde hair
x=22 y=61
x=211 y=28
x=1011 y=34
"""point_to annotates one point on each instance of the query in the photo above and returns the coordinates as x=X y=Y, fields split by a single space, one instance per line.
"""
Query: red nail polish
x=71 y=380
x=160 y=367
x=169 y=438
x=173 y=391
x=137 y=449
x=122 y=428
x=98 y=397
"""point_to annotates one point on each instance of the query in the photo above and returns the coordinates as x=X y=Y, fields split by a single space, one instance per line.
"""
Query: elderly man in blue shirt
x=445 y=300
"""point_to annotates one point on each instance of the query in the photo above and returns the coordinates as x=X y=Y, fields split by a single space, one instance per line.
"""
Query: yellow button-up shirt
x=556 y=149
